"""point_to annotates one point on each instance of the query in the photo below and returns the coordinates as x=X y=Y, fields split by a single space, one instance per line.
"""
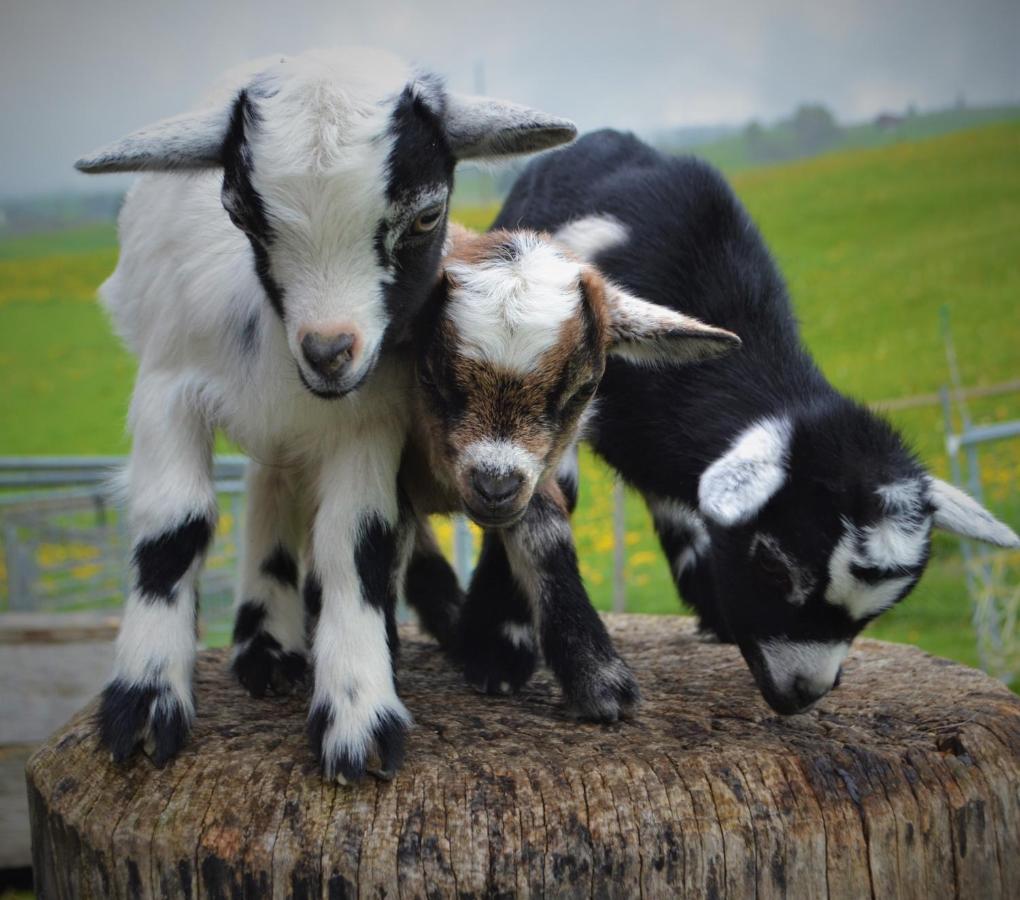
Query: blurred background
x=876 y=144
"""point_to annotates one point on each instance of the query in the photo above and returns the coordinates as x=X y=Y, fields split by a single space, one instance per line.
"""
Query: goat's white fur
x=814 y=662
x=746 y=476
x=675 y=515
x=891 y=544
x=502 y=457
x=509 y=312
x=353 y=674
x=961 y=514
x=592 y=235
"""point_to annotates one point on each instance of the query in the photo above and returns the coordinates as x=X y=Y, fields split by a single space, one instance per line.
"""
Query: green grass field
x=873 y=243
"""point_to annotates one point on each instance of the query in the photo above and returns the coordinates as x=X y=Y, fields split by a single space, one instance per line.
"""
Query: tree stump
x=905 y=782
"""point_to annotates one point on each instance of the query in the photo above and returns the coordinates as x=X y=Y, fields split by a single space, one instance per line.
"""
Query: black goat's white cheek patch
x=860 y=598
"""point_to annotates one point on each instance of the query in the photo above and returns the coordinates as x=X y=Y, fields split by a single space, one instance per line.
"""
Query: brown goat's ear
x=649 y=334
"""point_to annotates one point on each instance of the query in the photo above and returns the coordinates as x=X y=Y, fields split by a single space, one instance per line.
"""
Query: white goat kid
x=275 y=270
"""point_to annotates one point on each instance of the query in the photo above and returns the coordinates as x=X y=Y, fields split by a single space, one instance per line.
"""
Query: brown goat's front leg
x=597 y=683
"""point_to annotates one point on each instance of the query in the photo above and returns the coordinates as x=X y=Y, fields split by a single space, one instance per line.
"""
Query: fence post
x=619 y=547
x=463 y=550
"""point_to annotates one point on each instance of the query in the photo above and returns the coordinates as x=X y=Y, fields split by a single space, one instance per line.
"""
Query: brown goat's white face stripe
x=508 y=309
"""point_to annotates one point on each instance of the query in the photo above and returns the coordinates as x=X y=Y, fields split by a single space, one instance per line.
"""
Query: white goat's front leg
x=269 y=626
x=172 y=512
x=357 y=722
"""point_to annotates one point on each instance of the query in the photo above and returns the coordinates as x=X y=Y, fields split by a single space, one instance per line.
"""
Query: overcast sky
x=78 y=73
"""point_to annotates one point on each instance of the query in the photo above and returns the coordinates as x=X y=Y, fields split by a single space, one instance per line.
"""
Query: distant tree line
x=811 y=130
x=48 y=212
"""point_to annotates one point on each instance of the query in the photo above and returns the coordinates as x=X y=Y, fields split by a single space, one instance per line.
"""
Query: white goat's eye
x=427 y=220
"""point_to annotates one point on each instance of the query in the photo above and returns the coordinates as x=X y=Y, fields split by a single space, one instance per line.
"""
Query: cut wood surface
x=905 y=782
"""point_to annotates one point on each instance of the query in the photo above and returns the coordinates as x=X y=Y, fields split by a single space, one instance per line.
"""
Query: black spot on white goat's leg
x=432 y=590
x=357 y=723
x=496 y=641
x=597 y=683
x=685 y=542
x=172 y=505
x=269 y=624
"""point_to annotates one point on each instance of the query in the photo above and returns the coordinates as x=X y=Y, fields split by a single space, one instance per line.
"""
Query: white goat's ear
x=479 y=127
x=649 y=334
x=181 y=143
x=961 y=514
x=747 y=476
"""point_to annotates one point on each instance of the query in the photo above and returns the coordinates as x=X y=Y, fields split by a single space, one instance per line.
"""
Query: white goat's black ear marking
x=961 y=514
x=181 y=143
x=747 y=476
x=649 y=334
x=479 y=127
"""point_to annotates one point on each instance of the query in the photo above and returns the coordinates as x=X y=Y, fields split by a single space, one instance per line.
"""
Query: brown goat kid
x=508 y=360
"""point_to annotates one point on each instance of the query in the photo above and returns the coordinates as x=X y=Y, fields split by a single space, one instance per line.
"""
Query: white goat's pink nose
x=329 y=352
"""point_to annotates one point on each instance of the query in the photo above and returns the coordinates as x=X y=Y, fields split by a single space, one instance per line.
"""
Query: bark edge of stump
x=905 y=782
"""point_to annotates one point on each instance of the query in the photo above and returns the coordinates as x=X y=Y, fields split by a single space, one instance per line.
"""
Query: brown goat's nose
x=496 y=489
x=328 y=354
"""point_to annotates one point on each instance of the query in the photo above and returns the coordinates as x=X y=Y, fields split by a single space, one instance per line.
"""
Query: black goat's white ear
x=741 y=481
x=181 y=143
x=648 y=334
x=959 y=513
x=480 y=127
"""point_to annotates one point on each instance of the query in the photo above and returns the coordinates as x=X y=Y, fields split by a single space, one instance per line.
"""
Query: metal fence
x=65 y=542
x=992 y=583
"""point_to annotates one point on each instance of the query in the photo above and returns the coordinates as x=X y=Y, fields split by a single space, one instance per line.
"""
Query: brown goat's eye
x=427 y=220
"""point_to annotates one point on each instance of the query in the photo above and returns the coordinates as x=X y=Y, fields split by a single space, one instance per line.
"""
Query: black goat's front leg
x=431 y=586
x=497 y=632
x=685 y=541
x=597 y=683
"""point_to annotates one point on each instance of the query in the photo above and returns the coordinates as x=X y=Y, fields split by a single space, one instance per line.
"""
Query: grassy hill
x=873 y=242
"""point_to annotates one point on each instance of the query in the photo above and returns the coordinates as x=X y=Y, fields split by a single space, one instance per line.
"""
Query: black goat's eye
x=427 y=220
